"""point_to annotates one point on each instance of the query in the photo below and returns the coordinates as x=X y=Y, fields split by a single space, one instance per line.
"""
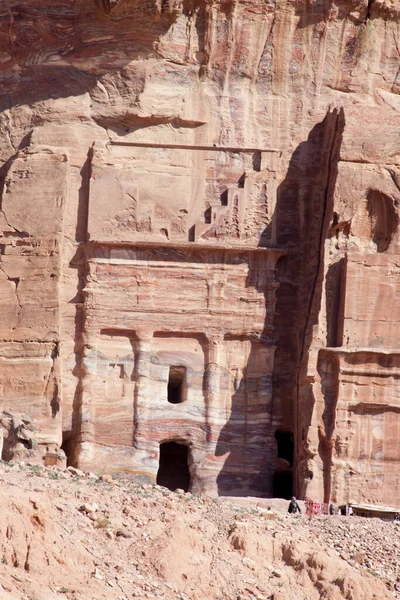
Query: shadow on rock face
x=302 y=216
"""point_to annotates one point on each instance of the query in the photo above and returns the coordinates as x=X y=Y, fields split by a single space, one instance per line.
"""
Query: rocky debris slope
x=366 y=544
x=68 y=535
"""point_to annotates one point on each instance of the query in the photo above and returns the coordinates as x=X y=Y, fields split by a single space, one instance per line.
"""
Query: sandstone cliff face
x=199 y=238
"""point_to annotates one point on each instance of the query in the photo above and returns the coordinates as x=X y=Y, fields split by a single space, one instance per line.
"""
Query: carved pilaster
x=212 y=379
x=143 y=353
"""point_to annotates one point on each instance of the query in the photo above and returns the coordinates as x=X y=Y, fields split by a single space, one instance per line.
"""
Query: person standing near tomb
x=294 y=506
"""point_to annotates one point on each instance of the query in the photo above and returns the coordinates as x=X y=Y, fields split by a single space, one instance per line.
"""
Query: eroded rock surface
x=199 y=240
x=70 y=535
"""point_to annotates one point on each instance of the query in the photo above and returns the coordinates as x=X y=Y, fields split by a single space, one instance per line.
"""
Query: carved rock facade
x=200 y=240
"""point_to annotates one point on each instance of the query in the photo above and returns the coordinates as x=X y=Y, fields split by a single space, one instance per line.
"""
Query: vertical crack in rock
x=15 y=281
x=304 y=207
x=395 y=177
x=326 y=217
x=80 y=263
x=4 y=184
x=314 y=302
x=52 y=379
x=26 y=563
x=10 y=28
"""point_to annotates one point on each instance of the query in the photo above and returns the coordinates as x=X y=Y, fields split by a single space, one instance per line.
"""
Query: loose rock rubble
x=366 y=544
x=67 y=534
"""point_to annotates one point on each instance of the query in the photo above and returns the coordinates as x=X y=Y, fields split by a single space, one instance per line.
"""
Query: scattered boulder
x=17 y=437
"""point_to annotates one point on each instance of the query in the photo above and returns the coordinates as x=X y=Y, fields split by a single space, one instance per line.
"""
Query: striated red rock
x=199 y=240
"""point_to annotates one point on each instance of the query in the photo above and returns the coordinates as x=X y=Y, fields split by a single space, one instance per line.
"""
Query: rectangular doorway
x=173 y=472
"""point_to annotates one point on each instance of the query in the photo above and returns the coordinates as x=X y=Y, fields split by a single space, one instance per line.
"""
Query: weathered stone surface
x=186 y=307
x=205 y=198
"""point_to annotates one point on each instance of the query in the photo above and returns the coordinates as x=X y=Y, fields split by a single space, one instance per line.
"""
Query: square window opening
x=176 y=391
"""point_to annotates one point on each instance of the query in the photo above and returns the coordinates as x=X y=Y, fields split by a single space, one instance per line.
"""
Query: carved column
x=84 y=425
x=143 y=353
x=212 y=382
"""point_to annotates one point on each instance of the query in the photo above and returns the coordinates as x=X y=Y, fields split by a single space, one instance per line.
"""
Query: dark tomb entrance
x=283 y=477
x=283 y=484
x=285 y=442
x=67 y=446
x=173 y=472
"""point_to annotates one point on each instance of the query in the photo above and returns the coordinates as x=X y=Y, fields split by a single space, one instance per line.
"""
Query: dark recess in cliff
x=303 y=213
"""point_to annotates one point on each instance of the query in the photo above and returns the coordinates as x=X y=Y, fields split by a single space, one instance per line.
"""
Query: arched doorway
x=173 y=471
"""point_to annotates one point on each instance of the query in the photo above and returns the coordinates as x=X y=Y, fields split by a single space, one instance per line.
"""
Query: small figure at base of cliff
x=293 y=506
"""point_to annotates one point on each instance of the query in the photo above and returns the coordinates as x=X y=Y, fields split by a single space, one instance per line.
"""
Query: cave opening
x=283 y=484
x=67 y=446
x=176 y=385
x=173 y=472
x=285 y=442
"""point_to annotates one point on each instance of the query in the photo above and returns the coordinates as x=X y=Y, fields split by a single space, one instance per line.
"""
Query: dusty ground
x=65 y=535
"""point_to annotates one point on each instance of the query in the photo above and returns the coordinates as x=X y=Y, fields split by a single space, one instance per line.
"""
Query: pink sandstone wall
x=214 y=187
